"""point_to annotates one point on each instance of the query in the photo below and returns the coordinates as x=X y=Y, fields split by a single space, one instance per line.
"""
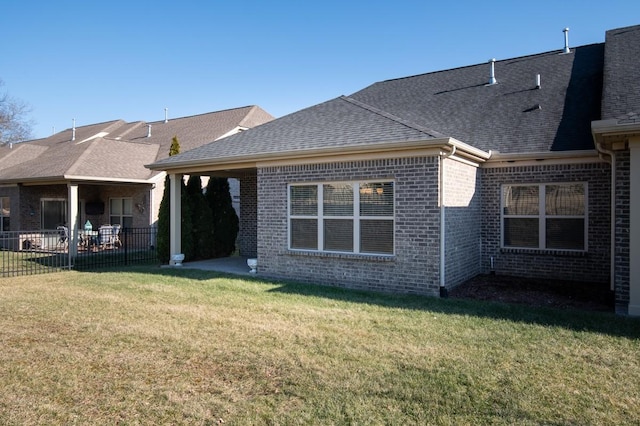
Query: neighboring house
x=97 y=173
x=417 y=184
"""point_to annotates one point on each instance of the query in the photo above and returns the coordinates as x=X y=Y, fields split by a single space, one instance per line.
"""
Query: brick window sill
x=545 y=252
x=349 y=256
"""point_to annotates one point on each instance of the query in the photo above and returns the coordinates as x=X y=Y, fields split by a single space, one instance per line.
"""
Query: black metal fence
x=32 y=252
x=37 y=252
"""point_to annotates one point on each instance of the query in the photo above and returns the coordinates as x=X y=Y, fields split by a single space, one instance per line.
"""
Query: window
x=121 y=212
x=545 y=216
x=5 y=210
x=53 y=213
x=351 y=217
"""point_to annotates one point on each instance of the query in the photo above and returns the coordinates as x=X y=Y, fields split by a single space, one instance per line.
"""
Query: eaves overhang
x=65 y=179
x=613 y=134
x=499 y=159
x=386 y=149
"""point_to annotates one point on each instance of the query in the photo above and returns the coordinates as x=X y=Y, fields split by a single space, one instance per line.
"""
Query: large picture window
x=5 y=213
x=545 y=216
x=121 y=212
x=346 y=217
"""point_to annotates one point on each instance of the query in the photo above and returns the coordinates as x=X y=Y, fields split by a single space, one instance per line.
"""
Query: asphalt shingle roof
x=336 y=123
x=117 y=149
x=512 y=116
x=621 y=92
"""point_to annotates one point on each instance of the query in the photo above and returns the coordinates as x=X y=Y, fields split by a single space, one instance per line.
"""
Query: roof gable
x=340 y=122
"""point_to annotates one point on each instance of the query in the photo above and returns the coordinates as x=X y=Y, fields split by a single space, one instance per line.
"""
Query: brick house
x=522 y=166
x=97 y=173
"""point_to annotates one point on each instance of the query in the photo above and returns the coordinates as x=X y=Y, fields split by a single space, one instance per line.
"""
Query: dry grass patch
x=152 y=346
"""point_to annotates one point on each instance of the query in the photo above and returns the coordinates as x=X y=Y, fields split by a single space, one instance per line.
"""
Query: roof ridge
x=199 y=115
x=407 y=123
x=134 y=125
x=555 y=51
x=110 y=123
x=254 y=111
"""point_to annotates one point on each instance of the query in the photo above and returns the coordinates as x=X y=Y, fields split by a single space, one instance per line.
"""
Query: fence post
x=125 y=232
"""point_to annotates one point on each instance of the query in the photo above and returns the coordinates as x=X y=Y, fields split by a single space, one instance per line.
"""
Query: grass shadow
x=571 y=319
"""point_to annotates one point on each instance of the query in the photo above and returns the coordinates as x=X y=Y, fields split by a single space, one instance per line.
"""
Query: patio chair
x=105 y=236
x=108 y=236
x=116 y=236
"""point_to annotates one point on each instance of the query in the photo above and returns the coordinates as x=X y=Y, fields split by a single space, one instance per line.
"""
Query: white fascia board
x=317 y=154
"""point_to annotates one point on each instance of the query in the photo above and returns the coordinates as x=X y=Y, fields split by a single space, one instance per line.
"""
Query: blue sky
x=100 y=61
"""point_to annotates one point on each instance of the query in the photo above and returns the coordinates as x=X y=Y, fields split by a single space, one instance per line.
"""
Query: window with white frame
x=345 y=217
x=5 y=213
x=121 y=212
x=549 y=216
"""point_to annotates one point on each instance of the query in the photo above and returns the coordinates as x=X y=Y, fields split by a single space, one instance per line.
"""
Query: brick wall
x=623 y=224
x=29 y=203
x=14 y=206
x=139 y=196
x=591 y=266
x=413 y=269
x=30 y=208
x=462 y=219
x=248 y=234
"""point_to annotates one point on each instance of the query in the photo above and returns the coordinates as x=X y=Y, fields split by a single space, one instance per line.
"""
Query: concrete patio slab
x=230 y=265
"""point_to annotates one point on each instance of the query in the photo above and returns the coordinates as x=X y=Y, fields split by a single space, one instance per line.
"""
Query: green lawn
x=164 y=346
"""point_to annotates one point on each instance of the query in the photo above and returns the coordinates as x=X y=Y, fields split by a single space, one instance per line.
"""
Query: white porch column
x=175 y=236
x=634 y=227
x=72 y=196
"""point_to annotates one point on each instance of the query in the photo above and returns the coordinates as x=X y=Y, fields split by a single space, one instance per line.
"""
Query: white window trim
x=541 y=216
x=355 y=217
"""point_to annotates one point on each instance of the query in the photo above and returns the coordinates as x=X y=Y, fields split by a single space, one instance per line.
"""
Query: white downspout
x=612 y=161
x=443 y=289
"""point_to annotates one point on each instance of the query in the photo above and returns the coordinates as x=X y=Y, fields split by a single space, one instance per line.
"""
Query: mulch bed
x=539 y=293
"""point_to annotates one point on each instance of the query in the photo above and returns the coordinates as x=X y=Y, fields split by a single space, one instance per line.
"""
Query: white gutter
x=314 y=153
x=443 y=156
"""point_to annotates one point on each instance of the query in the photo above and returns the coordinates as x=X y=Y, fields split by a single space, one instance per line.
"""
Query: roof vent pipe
x=492 y=74
x=166 y=115
x=566 y=40
x=148 y=130
x=73 y=130
x=537 y=81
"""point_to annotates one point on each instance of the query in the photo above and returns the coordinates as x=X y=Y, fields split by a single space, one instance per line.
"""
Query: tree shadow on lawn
x=462 y=301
